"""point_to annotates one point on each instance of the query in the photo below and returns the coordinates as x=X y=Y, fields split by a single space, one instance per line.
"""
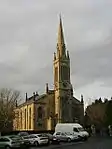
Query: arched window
x=40 y=112
x=40 y=116
x=30 y=118
x=17 y=120
x=25 y=118
x=21 y=119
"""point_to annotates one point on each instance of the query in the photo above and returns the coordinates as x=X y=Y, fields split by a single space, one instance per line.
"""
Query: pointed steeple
x=60 y=33
x=61 y=43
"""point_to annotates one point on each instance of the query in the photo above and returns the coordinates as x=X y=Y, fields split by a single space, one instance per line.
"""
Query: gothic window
x=30 y=118
x=64 y=72
x=56 y=74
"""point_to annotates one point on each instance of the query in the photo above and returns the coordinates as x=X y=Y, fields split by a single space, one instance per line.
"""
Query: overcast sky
x=28 y=36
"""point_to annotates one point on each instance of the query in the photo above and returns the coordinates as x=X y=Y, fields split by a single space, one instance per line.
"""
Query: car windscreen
x=81 y=129
x=15 y=138
x=25 y=137
x=32 y=136
x=68 y=133
x=40 y=135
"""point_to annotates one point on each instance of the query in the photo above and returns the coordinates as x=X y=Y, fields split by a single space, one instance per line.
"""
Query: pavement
x=92 y=143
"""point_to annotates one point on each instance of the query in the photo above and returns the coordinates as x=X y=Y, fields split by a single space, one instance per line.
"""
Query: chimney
x=33 y=95
x=47 y=88
x=26 y=97
x=37 y=93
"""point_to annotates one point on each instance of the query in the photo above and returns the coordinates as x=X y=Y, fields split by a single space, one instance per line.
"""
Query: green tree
x=8 y=101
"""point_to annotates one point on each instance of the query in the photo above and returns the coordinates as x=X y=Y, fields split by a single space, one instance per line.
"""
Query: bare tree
x=88 y=102
x=8 y=101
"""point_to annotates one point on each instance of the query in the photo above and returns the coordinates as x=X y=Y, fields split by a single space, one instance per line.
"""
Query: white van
x=72 y=128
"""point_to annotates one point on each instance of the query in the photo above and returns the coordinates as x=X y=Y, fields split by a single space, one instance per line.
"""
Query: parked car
x=22 y=133
x=26 y=141
x=52 y=139
x=38 y=139
x=55 y=140
x=9 y=142
x=50 y=136
x=73 y=137
x=63 y=137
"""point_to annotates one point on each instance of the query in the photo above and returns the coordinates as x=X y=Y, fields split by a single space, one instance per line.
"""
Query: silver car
x=37 y=139
x=9 y=142
x=62 y=136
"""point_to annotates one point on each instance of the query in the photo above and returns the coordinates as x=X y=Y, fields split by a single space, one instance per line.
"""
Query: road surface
x=93 y=143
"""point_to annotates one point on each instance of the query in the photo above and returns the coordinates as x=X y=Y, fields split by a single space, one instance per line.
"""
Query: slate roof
x=36 y=98
x=76 y=100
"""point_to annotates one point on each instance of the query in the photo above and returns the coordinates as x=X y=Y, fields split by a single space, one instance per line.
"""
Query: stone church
x=42 y=112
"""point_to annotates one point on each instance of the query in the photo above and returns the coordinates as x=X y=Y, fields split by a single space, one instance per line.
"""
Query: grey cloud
x=92 y=64
x=28 y=32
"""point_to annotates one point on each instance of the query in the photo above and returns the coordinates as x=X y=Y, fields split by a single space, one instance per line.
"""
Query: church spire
x=61 y=43
x=60 y=32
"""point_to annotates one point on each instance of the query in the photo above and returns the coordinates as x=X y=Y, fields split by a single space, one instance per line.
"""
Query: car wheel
x=36 y=143
x=68 y=140
x=85 y=139
x=80 y=138
x=48 y=143
x=7 y=147
x=58 y=141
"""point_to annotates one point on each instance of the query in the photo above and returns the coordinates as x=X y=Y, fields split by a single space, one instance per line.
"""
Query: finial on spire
x=68 y=54
x=47 y=88
x=54 y=56
x=26 y=96
x=82 y=100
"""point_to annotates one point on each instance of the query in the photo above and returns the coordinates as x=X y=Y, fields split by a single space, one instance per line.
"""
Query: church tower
x=62 y=83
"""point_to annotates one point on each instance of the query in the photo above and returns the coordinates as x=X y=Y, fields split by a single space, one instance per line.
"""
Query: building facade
x=42 y=112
